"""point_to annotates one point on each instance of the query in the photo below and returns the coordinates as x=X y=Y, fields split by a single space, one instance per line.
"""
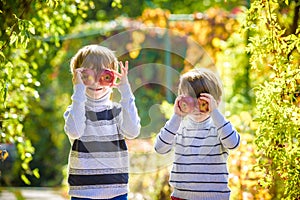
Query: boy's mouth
x=96 y=89
x=197 y=113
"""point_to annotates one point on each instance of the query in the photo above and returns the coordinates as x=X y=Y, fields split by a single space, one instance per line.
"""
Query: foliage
x=275 y=49
x=26 y=45
x=104 y=10
x=233 y=65
x=206 y=28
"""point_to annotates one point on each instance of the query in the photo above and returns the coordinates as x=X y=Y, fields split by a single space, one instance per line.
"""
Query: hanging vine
x=275 y=53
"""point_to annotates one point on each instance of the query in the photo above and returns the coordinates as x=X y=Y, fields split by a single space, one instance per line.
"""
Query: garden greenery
x=274 y=47
x=30 y=32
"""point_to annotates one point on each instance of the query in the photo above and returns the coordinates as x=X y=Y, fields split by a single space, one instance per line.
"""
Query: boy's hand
x=124 y=72
x=78 y=76
x=212 y=103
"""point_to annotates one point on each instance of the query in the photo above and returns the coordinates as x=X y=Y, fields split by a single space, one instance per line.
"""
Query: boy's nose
x=97 y=83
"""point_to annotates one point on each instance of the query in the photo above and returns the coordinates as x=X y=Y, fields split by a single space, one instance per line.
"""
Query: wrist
x=79 y=93
x=174 y=122
x=217 y=117
x=125 y=90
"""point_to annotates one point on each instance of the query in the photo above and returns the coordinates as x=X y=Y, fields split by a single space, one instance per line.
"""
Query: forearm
x=228 y=135
x=75 y=114
x=166 y=137
x=130 y=123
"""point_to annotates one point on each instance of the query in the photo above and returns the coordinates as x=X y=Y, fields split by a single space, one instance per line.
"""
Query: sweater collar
x=103 y=101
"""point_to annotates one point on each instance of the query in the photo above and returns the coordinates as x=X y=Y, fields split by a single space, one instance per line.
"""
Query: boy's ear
x=219 y=101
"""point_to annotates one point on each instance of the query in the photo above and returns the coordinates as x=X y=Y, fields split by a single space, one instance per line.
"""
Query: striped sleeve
x=229 y=137
x=75 y=114
x=130 y=121
x=166 y=137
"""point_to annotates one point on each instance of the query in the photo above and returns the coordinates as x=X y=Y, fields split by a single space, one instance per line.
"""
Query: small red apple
x=88 y=76
x=186 y=104
x=203 y=105
x=107 y=78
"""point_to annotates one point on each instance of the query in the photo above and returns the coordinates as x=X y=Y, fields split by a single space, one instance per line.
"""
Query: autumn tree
x=274 y=46
x=30 y=36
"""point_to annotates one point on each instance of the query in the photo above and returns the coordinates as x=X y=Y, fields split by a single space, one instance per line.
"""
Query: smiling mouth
x=197 y=113
x=96 y=89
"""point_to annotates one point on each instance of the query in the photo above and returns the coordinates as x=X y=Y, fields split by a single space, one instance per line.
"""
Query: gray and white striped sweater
x=98 y=159
x=199 y=170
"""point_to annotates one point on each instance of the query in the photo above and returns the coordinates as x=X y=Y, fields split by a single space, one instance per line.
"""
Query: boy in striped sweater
x=97 y=127
x=201 y=138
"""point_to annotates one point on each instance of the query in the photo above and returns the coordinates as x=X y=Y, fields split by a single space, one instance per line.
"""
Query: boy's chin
x=199 y=116
x=97 y=94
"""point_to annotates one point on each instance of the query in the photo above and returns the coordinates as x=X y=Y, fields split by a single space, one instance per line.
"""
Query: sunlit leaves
x=116 y=4
x=22 y=36
x=201 y=27
x=29 y=31
x=273 y=48
x=155 y=17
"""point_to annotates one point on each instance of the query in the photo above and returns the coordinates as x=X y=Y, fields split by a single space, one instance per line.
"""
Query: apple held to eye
x=203 y=105
x=107 y=78
x=186 y=104
x=88 y=76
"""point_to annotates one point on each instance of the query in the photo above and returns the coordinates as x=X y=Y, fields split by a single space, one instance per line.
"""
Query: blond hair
x=200 y=80
x=95 y=57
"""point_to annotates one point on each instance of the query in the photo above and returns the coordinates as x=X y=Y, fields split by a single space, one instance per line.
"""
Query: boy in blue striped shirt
x=201 y=138
x=97 y=127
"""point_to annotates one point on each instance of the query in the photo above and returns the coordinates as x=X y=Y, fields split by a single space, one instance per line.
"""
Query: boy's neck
x=104 y=99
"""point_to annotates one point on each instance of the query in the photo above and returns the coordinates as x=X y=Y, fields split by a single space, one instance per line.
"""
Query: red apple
x=88 y=76
x=107 y=78
x=186 y=104
x=203 y=105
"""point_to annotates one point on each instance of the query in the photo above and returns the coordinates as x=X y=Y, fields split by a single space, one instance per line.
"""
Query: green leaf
x=25 y=179
x=13 y=38
x=25 y=166
x=2 y=56
x=31 y=28
x=36 y=173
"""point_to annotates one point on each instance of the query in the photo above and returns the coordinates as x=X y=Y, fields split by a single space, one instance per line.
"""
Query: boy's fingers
x=126 y=65
x=124 y=68
x=121 y=65
x=118 y=74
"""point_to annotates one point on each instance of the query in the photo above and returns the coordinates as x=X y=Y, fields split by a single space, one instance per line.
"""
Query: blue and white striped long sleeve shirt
x=199 y=170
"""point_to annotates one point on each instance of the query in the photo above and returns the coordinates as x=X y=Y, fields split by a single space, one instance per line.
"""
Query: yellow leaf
x=25 y=179
x=36 y=173
x=134 y=54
